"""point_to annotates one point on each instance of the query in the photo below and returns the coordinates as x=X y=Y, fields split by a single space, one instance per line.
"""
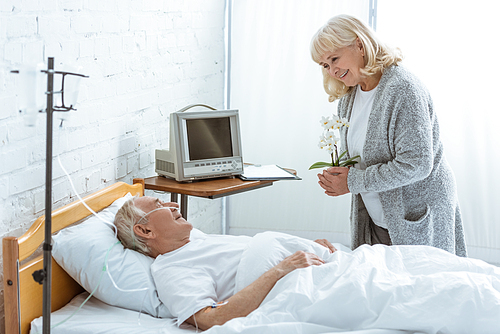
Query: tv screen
x=209 y=138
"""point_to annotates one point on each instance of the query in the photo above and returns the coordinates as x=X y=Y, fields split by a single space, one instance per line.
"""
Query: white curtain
x=278 y=90
x=453 y=47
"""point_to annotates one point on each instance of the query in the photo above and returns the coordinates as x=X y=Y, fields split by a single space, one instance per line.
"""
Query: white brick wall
x=145 y=60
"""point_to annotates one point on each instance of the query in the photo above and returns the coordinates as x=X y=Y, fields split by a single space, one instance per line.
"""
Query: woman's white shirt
x=356 y=136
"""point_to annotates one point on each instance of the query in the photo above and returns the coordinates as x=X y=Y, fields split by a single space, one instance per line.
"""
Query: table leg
x=184 y=206
x=184 y=203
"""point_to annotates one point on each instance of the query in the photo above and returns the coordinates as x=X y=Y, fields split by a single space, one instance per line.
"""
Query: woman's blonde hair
x=125 y=220
x=342 y=31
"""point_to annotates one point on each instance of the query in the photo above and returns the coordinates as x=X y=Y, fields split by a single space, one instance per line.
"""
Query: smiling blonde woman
x=403 y=190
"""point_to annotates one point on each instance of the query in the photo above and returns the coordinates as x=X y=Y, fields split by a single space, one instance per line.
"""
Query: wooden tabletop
x=212 y=188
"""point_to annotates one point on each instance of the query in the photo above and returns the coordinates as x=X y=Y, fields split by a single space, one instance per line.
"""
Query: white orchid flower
x=328 y=134
x=329 y=141
x=322 y=142
x=330 y=137
x=325 y=122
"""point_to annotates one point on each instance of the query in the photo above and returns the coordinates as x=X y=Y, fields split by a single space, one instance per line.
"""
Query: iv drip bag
x=31 y=88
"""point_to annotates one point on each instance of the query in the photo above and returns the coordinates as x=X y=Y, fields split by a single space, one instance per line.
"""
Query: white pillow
x=81 y=250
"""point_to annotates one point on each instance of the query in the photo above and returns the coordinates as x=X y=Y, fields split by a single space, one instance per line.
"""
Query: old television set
x=203 y=144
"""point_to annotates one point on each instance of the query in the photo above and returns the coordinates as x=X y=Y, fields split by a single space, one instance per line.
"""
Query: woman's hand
x=299 y=259
x=327 y=244
x=334 y=181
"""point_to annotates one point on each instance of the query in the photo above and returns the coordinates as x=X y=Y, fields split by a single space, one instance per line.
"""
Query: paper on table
x=266 y=172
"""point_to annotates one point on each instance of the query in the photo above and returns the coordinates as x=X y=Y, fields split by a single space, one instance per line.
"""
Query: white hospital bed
x=82 y=251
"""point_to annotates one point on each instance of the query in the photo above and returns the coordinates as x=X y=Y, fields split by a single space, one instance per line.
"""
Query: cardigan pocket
x=418 y=232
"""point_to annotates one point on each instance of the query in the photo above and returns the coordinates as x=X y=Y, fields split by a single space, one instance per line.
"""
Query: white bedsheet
x=373 y=290
x=413 y=288
x=96 y=317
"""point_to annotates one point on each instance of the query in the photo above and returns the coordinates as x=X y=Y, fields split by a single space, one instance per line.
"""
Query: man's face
x=167 y=224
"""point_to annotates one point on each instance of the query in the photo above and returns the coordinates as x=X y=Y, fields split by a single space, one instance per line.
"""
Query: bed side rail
x=12 y=310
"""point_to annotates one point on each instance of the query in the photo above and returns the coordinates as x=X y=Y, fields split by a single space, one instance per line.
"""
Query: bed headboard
x=23 y=297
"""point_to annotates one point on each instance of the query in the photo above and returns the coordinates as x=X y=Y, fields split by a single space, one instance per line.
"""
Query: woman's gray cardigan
x=406 y=166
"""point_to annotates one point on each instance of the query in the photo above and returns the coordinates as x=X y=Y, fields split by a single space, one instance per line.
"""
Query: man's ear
x=143 y=231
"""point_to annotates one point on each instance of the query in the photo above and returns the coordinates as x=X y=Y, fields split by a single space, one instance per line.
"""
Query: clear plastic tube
x=105 y=266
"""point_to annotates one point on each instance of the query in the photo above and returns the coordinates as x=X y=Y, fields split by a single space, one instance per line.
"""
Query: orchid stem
x=336 y=155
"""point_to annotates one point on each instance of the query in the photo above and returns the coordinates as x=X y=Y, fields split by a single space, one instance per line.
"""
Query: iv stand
x=44 y=276
x=47 y=245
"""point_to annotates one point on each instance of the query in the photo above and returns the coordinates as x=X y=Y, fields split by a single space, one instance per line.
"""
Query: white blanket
x=412 y=288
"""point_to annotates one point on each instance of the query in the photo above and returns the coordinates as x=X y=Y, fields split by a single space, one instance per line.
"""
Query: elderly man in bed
x=207 y=280
x=193 y=271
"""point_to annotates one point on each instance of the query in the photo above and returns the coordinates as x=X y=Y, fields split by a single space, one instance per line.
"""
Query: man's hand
x=327 y=244
x=299 y=259
x=248 y=299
